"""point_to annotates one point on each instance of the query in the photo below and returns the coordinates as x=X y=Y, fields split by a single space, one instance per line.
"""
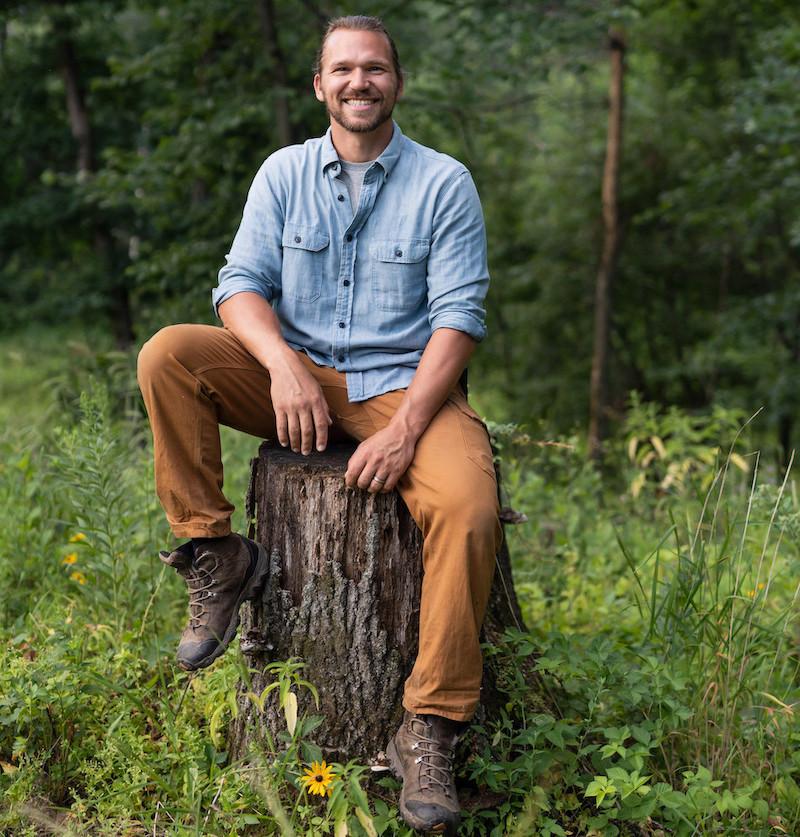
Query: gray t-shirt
x=353 y=177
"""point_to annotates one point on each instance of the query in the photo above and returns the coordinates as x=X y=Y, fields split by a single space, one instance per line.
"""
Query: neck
x=361 y=148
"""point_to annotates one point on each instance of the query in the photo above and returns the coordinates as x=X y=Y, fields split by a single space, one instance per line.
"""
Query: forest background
x=659 y=583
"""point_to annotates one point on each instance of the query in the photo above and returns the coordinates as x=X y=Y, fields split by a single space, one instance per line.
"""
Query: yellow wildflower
x=760 y=585
x=79 y=577
x=70 y=559
x=318 y=778
x=77 y=537
x=751 y=593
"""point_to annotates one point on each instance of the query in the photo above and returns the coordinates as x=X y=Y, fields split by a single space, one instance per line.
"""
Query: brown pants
x=195 y=377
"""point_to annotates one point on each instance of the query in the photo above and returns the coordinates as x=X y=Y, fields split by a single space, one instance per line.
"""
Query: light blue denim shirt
x=362 y=288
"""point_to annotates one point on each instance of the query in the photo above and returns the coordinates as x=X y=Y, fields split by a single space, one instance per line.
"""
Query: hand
x=386 y=455
x=301 y=411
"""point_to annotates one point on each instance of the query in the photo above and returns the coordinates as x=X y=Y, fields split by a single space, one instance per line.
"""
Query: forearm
x=302 y=415
x=440 y=367
x=251 y=318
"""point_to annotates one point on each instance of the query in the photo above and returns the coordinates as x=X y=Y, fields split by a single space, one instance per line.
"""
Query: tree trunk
x=269 y=27
x=76 y=106
x=342 y=595
x=119 y=305
x=598 y=394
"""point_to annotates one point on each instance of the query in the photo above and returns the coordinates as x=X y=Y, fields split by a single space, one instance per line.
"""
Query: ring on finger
x=378 y=479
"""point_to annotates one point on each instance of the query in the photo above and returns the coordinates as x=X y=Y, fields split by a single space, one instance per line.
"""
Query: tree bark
x=343 y=596
x=119 y=305
x=598 y=394
x=269 y=27
x=76 y=106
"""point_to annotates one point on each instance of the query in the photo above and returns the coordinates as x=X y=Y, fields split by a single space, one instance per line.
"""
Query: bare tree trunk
x=342 y=595
x=76 y=106
x=119 y=307
x=3 y=39
x=598 y=394
x=270 y=28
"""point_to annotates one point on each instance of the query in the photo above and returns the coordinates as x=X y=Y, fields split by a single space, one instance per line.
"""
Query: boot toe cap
x=427 y=815
x=192 y=655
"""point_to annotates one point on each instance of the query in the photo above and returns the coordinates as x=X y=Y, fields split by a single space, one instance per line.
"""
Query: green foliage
x=663 y=628
x=182 y=96
x=676 y=453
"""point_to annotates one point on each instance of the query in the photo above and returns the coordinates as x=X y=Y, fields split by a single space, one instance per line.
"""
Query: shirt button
x=398 y=253
x=346 y=282
x=340 y=198
x=341 y=325
x=349 y=237
x=340 y=358
x=297 y=239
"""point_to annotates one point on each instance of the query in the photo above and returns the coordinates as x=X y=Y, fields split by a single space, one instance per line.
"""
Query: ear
x=318 y=88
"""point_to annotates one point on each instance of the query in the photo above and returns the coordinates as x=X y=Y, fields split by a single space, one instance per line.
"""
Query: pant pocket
x=475 y=435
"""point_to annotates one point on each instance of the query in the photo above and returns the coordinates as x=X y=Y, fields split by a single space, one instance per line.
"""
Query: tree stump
x=342 y=595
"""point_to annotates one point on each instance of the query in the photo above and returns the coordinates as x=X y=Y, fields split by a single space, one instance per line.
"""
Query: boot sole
x=410 y=819
x=250 y=591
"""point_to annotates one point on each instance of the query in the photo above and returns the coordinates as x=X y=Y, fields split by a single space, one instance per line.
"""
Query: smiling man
x=352 y=298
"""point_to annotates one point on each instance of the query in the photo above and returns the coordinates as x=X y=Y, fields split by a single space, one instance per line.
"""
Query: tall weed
x=112 y=513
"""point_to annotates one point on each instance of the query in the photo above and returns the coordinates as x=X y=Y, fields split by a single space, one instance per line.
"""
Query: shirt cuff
x=460 y=321
x=231 y=287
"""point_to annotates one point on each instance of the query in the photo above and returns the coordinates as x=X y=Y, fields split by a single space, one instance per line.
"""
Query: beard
x=361 y=124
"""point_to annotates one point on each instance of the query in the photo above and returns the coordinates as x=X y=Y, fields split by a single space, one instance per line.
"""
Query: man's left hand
x=380 y=461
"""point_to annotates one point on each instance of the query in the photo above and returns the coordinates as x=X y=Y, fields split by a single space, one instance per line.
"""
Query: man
x=352 y=300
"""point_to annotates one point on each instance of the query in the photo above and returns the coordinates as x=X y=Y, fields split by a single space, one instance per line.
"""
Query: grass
x=661 y=600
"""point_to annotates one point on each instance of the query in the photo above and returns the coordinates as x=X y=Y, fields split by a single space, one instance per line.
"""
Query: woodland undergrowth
x=659 y=593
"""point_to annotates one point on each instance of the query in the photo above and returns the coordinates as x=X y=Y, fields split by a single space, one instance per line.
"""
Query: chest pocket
x=400 y=273
x=304 y=252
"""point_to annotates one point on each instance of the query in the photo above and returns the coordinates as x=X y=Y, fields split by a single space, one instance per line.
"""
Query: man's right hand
x=301 y=411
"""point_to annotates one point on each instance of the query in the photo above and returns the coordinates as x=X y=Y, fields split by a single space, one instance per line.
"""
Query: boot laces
x=432 y=775
x=200 y=582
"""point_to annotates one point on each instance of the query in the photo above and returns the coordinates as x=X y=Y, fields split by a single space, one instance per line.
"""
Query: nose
x=358 y=79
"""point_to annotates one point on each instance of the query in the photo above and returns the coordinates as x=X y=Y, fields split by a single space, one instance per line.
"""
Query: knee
x=156 y=353
x=473 y=513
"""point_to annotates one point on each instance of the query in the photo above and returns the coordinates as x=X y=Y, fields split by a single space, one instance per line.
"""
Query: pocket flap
x=401 y=250
x=304 y=238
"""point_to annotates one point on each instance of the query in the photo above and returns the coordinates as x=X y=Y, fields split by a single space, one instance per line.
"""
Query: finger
x=321 y=423
x=282 y=428
x=306 y=432
x=389 y=485
x=376 y=483
x=365 y=477
x=354 y=468
x=293 y=422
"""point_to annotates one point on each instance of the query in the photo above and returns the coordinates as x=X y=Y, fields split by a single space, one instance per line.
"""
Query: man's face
x=357 y=81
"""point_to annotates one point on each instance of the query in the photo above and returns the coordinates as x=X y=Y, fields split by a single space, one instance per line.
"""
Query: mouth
x=359 y=104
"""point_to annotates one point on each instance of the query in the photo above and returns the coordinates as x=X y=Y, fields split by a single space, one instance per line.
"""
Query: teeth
x=359 y=102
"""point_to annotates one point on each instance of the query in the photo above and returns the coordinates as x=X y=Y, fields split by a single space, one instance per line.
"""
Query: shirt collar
x=387 y=160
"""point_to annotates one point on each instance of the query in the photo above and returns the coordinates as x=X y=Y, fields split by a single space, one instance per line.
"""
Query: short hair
x=359 y=23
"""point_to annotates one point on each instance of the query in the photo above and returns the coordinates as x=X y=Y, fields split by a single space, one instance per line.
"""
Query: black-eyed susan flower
x=77 y=537
x=318 y=778
x=78 y=576
x=70 y=559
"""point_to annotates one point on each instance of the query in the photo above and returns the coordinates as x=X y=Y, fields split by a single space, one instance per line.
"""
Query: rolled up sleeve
x=255 y=259
x=458 y=274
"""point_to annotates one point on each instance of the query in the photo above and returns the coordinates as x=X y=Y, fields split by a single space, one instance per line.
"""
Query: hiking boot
x=220 y=575
x=421 y=754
